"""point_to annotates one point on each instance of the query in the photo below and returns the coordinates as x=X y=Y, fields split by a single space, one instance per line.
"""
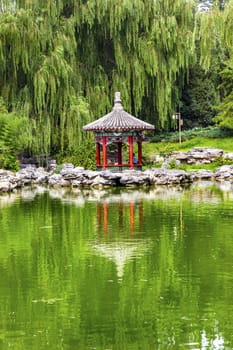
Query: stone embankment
x=201 y=155
x=70 y=176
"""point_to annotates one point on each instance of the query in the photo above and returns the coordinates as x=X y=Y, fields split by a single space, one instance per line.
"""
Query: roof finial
x=117 y=101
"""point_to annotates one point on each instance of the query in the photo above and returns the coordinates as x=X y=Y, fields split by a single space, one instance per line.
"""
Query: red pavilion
x=118 y=139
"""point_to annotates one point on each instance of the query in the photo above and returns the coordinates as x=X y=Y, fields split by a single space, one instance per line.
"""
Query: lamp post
x=177 y=116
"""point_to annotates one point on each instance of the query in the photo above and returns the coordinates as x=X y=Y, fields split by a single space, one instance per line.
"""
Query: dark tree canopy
x=215 y=35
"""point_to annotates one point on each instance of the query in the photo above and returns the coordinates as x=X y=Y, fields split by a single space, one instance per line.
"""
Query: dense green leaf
x=57 y=57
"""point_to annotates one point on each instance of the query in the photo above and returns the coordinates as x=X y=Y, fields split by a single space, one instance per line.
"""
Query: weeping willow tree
x=61 y=62
x=37 y=75
x=215 y=34
x=140 y=48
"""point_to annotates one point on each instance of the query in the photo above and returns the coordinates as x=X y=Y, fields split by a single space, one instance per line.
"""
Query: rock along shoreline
x=71 y=176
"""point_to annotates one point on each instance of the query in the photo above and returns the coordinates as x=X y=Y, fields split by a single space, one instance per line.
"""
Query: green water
x=138 y=269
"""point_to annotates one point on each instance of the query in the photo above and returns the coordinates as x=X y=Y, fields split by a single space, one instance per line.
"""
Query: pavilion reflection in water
x=120 y=250
x=127 y=213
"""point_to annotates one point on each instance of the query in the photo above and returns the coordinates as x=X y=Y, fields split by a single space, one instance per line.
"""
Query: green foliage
x=167 y=149
x=199 y=96
x=61 y=62
x=37 y=57
x=77 y=115
x=210 y=132
x=224 y=117
x=13 y=137
x=225 y=144
x=83 y=155
x=8 y=159
x=172 y=164
x=213 y=166
x=219 y=161
x=211 y=137
x=215 y=35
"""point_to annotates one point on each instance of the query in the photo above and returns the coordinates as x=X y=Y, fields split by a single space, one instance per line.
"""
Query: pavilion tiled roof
x=118 y=120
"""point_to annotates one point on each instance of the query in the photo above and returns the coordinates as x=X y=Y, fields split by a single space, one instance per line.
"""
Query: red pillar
x=105 y=218
x=140 y=215
x=104 y=139
x=139 y=153
x=97 y=154
x=119 y=153
x=99 y=216
x=131 y=217
x=130 y=140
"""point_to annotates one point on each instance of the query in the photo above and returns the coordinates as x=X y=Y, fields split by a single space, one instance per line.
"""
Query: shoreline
x=70 y=176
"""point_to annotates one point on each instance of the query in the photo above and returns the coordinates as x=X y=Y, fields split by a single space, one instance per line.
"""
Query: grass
x=166 y=148
x=226 y=144
x=211 y=166
x=163 y=148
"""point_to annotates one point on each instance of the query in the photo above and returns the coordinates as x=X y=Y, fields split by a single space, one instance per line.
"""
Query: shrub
x=172 y=164
x=8 y=159
x=209 y=132
x=219 y=161
x=13 y=137
x=83 y=156
x=167 y=150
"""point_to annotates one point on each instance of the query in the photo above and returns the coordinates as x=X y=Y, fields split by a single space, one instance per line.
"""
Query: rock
x=202 y=174
x=67 y=165
x=198 y=155
x=90 y=174
x=52 y=164
x=76 y=182
x=228 y=156
x=134 y=179
x=165 y=177
x=5 y=186
x=55 y=179
x=100 y=181
x=78 y=177
x=224 y=172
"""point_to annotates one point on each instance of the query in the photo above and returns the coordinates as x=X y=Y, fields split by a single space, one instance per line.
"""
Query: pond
x=117 y=269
